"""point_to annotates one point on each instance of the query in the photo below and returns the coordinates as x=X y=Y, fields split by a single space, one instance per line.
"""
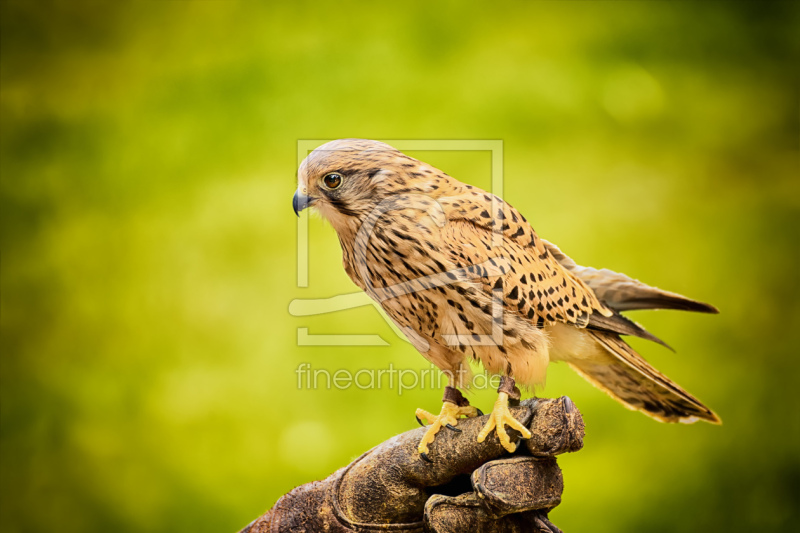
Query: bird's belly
x=569 y=343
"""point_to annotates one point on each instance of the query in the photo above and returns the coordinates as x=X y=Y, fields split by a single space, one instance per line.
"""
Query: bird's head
x=345 y=180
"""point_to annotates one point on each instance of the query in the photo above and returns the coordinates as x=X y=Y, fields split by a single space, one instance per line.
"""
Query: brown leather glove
x=468 y=487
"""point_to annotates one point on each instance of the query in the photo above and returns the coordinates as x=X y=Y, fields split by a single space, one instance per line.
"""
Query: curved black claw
x=480 y=413
x=519 y=443
x=568 y=405
x=544 y=525
x=425 y=456
x=420 y=421
x=451 y=427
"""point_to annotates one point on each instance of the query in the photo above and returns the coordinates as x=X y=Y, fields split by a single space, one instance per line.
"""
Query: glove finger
x=454 y=453
x=518 y=484
x=557 y=426
x=456 y=514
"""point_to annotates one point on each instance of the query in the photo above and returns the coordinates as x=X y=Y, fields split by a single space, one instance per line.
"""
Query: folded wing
x=623 y=293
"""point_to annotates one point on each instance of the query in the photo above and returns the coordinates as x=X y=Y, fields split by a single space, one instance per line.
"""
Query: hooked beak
x=300 y=202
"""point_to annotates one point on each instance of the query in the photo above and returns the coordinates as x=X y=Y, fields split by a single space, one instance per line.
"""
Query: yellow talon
x=500 y=418
x=449 y=415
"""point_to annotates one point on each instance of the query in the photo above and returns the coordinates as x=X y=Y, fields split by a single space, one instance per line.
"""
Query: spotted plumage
x=465 y=277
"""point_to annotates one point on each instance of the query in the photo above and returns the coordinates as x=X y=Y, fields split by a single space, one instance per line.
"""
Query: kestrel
x=465 y=277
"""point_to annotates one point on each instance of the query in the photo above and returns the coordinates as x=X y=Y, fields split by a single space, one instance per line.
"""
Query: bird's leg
x=454 y=406
x=501 y=416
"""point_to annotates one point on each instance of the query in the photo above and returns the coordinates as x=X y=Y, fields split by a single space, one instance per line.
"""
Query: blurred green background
x=149 y=152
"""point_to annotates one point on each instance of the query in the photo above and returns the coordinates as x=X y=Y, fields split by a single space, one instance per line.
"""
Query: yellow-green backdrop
x=149 y=152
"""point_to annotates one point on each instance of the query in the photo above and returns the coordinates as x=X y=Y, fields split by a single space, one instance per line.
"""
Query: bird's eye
x=332 y=180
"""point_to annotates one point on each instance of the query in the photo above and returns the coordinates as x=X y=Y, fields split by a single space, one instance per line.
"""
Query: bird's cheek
x=323 y=208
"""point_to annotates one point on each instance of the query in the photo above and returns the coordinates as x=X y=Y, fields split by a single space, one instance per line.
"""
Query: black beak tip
x=296 y=204
x=300 y=202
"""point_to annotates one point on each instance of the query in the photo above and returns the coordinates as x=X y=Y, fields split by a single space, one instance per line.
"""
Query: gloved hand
x=468 y=486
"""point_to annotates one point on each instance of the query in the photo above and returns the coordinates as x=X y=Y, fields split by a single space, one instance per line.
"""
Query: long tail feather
x=625 y=376
x=624 y=293
x=617 y=323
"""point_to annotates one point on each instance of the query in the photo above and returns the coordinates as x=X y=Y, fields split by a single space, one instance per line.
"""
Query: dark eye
x=332 y=180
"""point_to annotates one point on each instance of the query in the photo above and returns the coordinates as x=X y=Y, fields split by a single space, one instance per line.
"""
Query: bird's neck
x=347 y=231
